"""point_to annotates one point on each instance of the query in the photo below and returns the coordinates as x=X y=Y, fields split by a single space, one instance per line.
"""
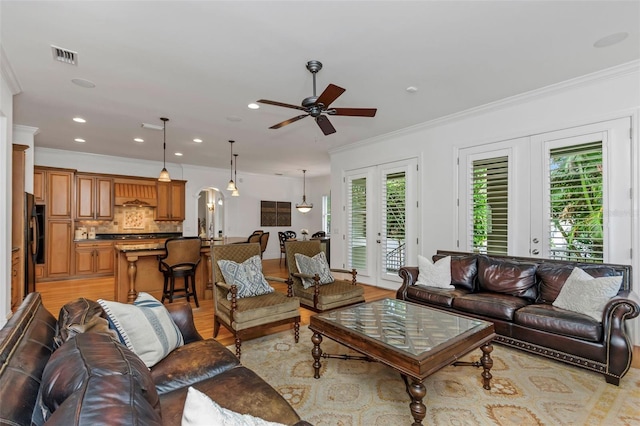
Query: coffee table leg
x=487 y=363
x=316 y=352
x=417 y=391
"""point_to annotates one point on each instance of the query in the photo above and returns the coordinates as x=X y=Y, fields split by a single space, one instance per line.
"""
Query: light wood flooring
x=56 y=293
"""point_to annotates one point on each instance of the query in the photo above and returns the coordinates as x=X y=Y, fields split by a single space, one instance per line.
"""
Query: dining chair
x=319 y=234
x=244 y=305
x=308 y=284
x=180 y=261
x=264 y=239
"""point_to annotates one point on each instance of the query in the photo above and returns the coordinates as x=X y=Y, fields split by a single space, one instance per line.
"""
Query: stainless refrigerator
x=34 y=241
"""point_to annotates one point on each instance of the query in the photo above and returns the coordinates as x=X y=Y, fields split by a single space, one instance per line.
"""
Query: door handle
x=535 y=251
x=378 y=241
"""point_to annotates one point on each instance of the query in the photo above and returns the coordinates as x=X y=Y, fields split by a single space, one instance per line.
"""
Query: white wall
x=606 y=95
x=242 y=214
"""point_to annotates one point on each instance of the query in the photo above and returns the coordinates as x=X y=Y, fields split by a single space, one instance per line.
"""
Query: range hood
x=135 y=194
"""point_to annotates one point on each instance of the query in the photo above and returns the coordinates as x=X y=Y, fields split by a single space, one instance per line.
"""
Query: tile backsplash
x=132 y=220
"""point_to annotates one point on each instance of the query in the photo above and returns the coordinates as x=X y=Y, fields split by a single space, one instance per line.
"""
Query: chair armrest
x=300 y=275
x=276 y=279
x=409 y=275
x=353 y=273
x=222 y=285
x=182 y=315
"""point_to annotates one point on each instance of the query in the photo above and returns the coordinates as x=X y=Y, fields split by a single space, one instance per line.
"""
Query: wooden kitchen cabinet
x=94 y=258
x=59 y=248
x=39 y=186
x=59 y=194
x=171 y=197
x=94 y=197
x=16 y=291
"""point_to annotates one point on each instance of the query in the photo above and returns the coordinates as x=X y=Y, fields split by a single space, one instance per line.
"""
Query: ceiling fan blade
x=354 y=112
x=281 y=104
x=329 y=95
x=289 y=121
x=325 y=125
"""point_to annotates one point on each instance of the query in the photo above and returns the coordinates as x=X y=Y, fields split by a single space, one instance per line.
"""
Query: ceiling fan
x=318 y=106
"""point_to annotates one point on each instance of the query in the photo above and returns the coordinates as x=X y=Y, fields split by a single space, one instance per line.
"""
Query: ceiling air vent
x=64 y=55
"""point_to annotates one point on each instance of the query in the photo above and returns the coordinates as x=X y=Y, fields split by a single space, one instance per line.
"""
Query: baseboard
x=635 y=361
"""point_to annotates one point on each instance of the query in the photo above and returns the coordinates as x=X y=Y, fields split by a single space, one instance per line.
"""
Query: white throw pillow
x=246 y=276
x=200 y=410
x=314 y=265
x=587 y=295
x=146 y=327
x=435 y=275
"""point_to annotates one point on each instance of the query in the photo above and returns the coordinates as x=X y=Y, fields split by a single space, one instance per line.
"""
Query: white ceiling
x=200 y=63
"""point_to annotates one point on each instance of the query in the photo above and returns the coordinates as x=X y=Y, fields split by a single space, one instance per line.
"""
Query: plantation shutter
x=490 y=198
x=357 y=223
x=393 y=216
x=576 y=203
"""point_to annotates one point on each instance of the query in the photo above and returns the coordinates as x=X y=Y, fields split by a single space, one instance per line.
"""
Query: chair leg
x=193 y=289
x=238 y=343
x=172 y=288
x=186 y=288
x=216 y=326
x=165 y=288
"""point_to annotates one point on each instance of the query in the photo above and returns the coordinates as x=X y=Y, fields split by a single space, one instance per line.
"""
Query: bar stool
x=180 y=261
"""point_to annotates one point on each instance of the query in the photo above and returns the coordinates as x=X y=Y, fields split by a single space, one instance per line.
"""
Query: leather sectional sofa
x=516 y=294
x=85 y=377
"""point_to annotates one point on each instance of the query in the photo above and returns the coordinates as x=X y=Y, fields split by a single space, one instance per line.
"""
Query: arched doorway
x=210 y=213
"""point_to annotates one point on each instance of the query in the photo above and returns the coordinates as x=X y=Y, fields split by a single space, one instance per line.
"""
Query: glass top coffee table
x=413 y=339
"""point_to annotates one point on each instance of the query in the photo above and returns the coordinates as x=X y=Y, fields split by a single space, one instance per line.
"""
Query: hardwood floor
x=56 y=293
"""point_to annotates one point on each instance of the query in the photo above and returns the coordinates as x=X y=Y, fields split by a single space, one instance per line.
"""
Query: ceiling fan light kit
x=304 y=207
x=164 y=174
x=318 y=106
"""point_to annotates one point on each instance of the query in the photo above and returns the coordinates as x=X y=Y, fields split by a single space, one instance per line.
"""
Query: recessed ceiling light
x=79 y=120
x=139 y=140
x=412 y=89
x=83 y=83
x=197 y=140
x=253 y=106
x=611 y=39
x=79 y=140
x=178 y=154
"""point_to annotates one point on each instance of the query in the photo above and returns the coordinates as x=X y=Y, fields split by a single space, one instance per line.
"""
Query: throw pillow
x=435 y=274
x=146 y=327
x=587 y=295
x=246 y=276
x=200 y=410
x=314 y=265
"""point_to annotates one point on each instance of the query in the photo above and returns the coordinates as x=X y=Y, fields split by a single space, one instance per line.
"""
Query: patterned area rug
x=525 y=389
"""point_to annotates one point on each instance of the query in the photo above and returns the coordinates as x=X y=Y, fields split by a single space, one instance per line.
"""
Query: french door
x=563 y=194
x=381 y=220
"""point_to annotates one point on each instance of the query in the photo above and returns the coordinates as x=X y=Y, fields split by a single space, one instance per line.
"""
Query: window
x=490 y=201
x=575 y=190
x=326 y=214
x=357 y=223
x=393 y=221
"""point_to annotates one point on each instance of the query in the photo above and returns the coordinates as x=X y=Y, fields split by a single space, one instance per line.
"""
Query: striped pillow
x=146 y=327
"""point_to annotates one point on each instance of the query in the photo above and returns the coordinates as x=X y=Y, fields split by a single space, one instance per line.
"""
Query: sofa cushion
x=144 y=327
x=437 y=274
x=463 y=270
x=184 y=366
x=507 y=277
x=552 y=276
x=200 y=410
x=433 y=295
x=559 y=321
x=492 y=305
x=94 y=361
x=587 y=295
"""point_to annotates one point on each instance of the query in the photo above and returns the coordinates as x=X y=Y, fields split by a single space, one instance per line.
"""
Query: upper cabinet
x=39 y=186
x=59 y=193
x=94 y=197
x=171 y=197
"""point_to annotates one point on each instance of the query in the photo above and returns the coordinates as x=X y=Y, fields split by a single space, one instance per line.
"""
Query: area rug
x=525 y=389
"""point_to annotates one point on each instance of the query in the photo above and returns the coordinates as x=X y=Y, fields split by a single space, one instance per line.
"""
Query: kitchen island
x=136 y=269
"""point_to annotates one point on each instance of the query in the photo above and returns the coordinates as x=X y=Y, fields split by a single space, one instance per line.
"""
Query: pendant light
x=164 y=174
x=235 y=192
x=304 y=207
x=232 y=185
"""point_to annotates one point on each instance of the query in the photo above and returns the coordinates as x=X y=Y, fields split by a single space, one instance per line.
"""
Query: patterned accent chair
x=321 y=297
x=248 y=315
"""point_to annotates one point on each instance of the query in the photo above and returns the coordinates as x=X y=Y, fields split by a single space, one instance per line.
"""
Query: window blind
x=357 y=220
x=393 y=221
x=490 y=198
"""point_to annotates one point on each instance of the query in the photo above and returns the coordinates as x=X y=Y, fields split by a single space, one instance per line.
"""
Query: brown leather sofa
x=92 y=379
x=516 y=294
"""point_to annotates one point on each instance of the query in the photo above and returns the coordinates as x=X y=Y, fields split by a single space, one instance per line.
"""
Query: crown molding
x=584 y=80
x=26 y=129
x=7 y=73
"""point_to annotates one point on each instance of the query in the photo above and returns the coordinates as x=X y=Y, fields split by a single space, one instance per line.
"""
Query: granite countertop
x=143 y=236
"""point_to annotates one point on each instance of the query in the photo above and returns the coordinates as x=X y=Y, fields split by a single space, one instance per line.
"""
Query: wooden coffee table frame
x=413 y=368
